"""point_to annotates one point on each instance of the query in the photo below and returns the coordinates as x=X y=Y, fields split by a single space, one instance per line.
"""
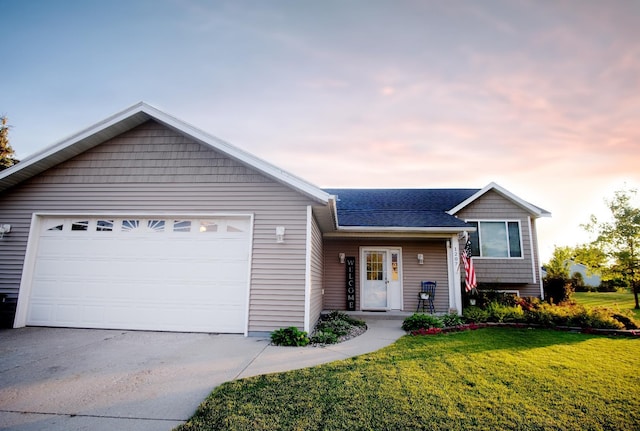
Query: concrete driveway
x=60 y=379
x=79 y=379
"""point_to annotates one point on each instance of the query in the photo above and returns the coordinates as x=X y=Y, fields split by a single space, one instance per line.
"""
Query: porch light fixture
x=5 y=228
x=341 y=257
x=280 y=234
x=420 y=259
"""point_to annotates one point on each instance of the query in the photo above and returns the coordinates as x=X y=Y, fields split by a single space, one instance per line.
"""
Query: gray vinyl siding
x=506 y=272
x=317 y=273
x=153 y=169
x=434 y=269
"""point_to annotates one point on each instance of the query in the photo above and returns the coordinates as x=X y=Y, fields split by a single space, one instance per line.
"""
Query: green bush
x=339 y=315
x=475 y=314
x=421 y=321
x=334 y=325
x=504 y=313
x=337 y=326
x=557 y=289
x=290 y=336
x=451 y=320
x=324 y=337
x=626 y=318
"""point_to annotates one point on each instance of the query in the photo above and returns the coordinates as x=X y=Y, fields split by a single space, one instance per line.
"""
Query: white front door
x=381 y=279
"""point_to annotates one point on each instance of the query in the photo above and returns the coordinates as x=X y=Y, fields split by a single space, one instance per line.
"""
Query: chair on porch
x=425 y=296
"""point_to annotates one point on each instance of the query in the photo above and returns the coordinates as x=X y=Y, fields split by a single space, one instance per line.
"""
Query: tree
x=557 y=283
x=619 y=240
x=558 y=266
x=7 y=155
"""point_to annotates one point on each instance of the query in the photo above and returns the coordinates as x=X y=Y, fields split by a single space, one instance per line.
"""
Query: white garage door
x=174 y=274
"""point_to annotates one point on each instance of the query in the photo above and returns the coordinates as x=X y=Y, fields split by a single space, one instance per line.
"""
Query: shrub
x=337 y=326
x=324 y=337
x=421 y=321
x=626 y=319
x=475 y=314
x=290 y=336
x=557 y=289
x=339 y=315
x=423 y=331
x=504 y=313
x=577 y=283
x=334 y=325
x=452 y=319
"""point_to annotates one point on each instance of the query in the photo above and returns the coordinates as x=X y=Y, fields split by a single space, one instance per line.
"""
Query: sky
x=541 y=97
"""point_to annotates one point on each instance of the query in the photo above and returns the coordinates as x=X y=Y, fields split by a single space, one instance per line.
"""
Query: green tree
x=557 y=282
x=619 y=240
x=7 y=155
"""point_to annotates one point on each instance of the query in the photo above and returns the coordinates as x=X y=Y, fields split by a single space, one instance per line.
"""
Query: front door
x=381 y=279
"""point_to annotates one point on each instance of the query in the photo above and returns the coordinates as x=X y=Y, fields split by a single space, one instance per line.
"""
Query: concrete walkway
x=82 y=379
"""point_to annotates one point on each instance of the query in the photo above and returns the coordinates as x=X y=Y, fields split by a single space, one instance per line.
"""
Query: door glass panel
x=394 y=266
x=375 y=270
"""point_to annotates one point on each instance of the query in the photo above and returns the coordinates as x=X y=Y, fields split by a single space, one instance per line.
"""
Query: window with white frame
x=501 y=239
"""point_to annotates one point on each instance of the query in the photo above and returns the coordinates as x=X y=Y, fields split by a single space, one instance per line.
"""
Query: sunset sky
x=542 y=97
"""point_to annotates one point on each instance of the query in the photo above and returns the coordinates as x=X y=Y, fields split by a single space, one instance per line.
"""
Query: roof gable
x=532 y=209
x=127 y=120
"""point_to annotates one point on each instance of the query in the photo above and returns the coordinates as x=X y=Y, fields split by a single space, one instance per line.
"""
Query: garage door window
x=143 y=225
x=80 y=225
x=208 y=226
x=182 y=225
x=104 y=225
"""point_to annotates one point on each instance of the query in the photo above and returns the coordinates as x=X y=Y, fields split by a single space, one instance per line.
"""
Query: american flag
x=469 y=271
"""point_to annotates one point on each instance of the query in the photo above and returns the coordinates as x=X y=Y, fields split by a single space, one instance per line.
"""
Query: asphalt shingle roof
x=399 y=207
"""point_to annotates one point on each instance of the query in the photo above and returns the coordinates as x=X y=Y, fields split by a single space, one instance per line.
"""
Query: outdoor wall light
x=341 y=257
x=420 y=259
x=280 y=234
x=5 y=228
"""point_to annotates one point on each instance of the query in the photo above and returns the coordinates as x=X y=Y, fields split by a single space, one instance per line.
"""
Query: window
x=182 y=225
x=375 y=265
x=104 y=226
x=496 y=239
x=80 y=225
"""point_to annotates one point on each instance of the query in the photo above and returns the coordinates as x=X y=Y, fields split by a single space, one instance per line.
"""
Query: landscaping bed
x=332 y=328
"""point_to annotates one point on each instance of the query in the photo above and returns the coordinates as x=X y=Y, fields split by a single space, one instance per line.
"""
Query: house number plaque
x=351 y=283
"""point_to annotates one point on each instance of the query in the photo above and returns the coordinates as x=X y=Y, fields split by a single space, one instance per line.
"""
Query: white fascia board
x=537 y=212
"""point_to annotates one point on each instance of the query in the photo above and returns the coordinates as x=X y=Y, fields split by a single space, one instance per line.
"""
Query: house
x=145 y=222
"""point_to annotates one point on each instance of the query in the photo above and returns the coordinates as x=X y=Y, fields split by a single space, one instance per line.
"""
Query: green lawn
x=488 y=379
x=624 y=301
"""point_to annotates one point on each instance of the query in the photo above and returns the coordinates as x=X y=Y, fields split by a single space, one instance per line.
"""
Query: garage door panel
x=162 y=279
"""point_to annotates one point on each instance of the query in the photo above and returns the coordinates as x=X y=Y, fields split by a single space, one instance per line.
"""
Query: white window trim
x=505 y=221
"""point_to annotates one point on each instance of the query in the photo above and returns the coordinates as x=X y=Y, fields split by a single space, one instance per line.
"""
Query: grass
x=489 y=379
x=624 y=301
